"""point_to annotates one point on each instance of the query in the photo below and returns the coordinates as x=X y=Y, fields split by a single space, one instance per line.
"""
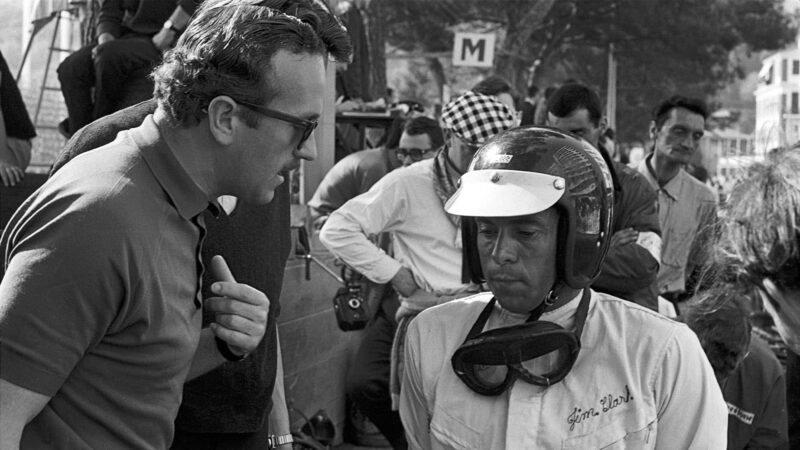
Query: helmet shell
x=575 y=167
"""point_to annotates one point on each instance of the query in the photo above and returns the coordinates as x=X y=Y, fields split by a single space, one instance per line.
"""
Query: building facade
x=778 y=100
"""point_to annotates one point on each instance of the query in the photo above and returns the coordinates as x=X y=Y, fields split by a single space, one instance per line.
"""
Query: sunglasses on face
x=415 y=154
x=307 y=126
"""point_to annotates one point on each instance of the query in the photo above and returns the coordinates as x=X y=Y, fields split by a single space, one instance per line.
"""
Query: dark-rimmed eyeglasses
x=416 y=154
x=308 y=126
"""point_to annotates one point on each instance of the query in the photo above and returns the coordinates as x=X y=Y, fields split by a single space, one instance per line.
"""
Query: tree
x=662 y=47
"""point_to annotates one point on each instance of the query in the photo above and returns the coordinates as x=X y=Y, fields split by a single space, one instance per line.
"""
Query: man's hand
x=164 y=39
x=404 y=283
x=624 y=237
x=102 y=39
x=10 y=174
x=240 y=310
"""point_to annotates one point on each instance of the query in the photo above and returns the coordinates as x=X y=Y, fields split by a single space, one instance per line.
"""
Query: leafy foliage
x=662 y=47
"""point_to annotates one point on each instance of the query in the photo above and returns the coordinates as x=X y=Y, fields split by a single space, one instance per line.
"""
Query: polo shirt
x=687 y=209
x=640 y=381
x=100 y=305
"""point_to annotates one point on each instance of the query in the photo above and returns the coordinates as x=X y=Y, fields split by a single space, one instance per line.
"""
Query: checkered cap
x=476 y=117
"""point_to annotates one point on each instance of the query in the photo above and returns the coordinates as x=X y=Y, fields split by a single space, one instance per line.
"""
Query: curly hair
x=228 y=48
x=719 y=318
x=760 y=225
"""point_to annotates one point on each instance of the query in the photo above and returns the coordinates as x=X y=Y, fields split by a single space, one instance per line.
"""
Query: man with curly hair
x=100 y=305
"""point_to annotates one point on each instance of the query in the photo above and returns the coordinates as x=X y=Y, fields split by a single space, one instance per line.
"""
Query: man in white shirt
x=542 y=361
x=426 y=267
x=687 y=207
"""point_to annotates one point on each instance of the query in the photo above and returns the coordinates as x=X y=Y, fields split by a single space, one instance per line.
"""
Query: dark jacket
x=630 y=271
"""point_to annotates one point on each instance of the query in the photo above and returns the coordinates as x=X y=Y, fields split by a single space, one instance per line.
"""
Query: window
x=794 y=103
x=796 y=67
x=784 y=69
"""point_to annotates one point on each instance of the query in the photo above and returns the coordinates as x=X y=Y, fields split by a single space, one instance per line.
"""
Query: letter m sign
x=473 y=49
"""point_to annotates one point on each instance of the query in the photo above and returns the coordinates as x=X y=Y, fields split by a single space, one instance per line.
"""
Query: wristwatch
x=274 y=441
x=171 y=26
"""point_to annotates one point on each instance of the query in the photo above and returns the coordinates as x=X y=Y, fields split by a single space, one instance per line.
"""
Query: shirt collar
x=183 y=192
x=671 y=189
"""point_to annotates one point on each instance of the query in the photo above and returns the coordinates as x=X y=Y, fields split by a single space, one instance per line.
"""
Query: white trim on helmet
x=504 y=193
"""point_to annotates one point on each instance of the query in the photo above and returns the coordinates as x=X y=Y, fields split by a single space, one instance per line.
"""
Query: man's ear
x=603 y=125
x=653 y=130
x=222 y=119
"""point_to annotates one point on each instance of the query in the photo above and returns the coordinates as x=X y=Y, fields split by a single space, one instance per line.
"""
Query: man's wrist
x=170 y=25
x=283 y=440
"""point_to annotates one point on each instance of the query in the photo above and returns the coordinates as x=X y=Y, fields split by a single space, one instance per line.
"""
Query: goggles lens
x=538 y=352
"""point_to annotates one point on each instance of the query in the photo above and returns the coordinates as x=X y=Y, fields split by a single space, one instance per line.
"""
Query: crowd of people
x=535 y=292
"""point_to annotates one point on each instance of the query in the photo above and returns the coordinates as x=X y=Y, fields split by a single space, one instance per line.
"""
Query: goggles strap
x=477 y=327
x=583 y=311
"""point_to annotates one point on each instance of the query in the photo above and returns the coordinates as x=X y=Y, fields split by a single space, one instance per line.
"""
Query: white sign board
x=473 y=49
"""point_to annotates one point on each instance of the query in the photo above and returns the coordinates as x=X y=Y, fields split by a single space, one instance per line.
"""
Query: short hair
x=661 y=112
x=719 y=318
x=391 y=137
x=425 y=125
x=573 y=97
x=760 y=224
x=493 y=85
x=229 y=45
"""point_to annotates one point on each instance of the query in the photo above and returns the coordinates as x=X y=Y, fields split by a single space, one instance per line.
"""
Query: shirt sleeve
x=109 y=20
x=188 y=6
x=691 y=410
x=706 y=229
x=347 y=231
x=771 y=428
x=630 y=268
x=414 y=411
x=338 y=186
x=59 y=295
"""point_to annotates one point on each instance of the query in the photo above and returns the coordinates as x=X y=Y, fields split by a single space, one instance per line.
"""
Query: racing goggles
x=490 y=362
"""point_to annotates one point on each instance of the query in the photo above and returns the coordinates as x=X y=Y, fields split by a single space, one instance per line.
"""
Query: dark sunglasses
x=308 y=126
x=415 y=154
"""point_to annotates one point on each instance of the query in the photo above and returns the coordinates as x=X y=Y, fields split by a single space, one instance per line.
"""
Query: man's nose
x=308 y=150
x=503 y=250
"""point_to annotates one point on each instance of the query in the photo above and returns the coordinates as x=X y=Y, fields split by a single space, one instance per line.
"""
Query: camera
x=348 y=304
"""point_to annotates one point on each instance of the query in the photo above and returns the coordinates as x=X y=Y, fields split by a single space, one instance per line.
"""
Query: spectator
x=687 y=207
x=355 y=174
x=750 y=376
x=759 y=244
x=540 y=115
x=609 y=144
x=420 y=140
x=131 y=36
x=217 y=408
x=16 y=129
x=529 y=105
x=480 y=371
x=426 y=266
x=631 y=265
x=498 y=87
x=111 y=341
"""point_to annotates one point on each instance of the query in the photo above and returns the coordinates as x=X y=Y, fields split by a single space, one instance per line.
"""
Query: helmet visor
x=504 y=193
